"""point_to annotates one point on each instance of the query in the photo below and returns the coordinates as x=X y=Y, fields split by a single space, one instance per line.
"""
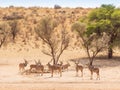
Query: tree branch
x=2 y=41
x=46 y=53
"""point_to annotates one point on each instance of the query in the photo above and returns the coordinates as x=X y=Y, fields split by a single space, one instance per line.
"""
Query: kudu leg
x=77 y=72
x=98 y=76
x=52 y=73
x=81 y=73
x=60 y=73
x=91 y=75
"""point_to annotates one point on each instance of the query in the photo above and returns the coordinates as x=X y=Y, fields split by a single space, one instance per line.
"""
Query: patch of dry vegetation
x=28 y=18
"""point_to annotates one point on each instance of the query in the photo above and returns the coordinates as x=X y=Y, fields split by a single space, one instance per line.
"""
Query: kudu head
x=26 y=62
x=76 y=62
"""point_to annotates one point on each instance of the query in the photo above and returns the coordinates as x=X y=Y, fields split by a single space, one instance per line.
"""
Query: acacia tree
x=14 y=29
x=106 y=19
x=4 y=33
x=92 y=43
x=55 y=40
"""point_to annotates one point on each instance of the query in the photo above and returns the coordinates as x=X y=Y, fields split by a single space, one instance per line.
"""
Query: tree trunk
x=91 y=62
x=54 y=62
x=13 y=36
x=110 y=50
x=110 y=53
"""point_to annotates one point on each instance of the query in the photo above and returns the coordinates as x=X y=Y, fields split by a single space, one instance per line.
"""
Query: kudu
x=55 y=67
x=93 y=70
x=65 y=66
x=79 y=67
x=23 y=65
x=37 y=66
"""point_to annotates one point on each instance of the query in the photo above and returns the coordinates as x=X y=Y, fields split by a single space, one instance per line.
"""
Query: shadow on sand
x=99 y=61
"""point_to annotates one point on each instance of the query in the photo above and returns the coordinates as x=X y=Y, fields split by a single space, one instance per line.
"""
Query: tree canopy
x=92 y=43
x=105 y=19
x=56 y=41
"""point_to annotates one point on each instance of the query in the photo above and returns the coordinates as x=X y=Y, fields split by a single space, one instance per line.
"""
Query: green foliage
x=109 y=6
x=78 y=27
x=115 y=16
x=104 y=12
x=105 y=19
x=99 y=27
x=83 y=19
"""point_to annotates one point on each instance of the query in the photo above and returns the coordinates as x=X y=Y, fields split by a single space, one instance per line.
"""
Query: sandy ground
x=11 y=79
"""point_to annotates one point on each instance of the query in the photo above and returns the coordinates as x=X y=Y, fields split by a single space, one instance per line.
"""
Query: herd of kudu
x=38 y=67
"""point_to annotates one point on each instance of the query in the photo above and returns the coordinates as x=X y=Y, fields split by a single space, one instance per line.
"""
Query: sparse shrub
x=57 y=7
x=11 y=6
x=14 y=29
x=13 y=16
x=4 y=33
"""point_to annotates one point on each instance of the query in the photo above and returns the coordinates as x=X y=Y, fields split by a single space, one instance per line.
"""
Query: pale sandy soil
x=11 y=79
